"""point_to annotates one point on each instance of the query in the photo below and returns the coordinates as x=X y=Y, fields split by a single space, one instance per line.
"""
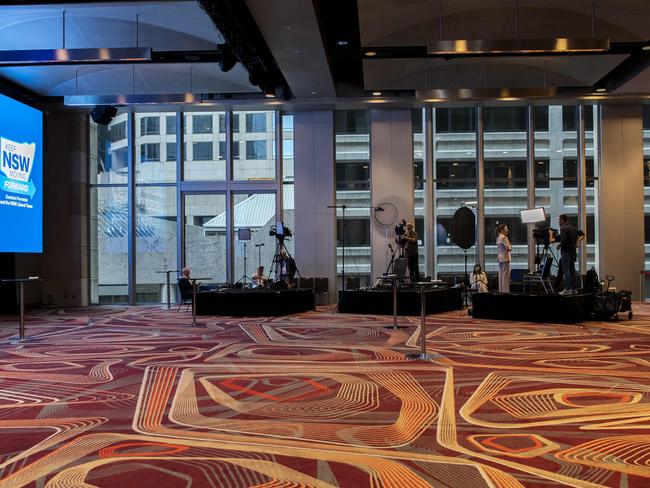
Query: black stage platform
x=560 y=309
x=254 y=303
x=380 y=301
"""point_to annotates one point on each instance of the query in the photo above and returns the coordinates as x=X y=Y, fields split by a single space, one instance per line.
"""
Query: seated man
x=185 y=286
x=259 y=278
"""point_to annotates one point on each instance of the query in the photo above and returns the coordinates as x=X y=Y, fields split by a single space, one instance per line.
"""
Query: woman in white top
x=478 y=280
x=504 y=247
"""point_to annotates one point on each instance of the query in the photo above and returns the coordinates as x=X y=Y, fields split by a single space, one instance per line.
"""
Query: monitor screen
x=21 y=177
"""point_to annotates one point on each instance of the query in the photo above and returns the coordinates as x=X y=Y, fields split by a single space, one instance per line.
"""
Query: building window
x=256 y=122
x=570 y=168
x=222 y=123
x=351 y=122
x=117 y=132
x=202 y=151
x=171 y=151
x=352 y=176
x=150 y=126
x=505 y=174
x=222 y=150
x=455 y=120
x=255 y=149
x=455 y=174
x=504 y=119
x=202 y=124
x=540 y=119
x=570 y=118
x=149 y=153
x=170 y=124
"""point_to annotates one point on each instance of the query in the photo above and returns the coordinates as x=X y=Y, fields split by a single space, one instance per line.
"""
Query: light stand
x=259 y=254
x=244 y=235
x=343 y=207
x=244 y=279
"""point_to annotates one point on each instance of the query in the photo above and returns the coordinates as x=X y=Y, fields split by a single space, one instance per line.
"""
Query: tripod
x=244 y=279
x=276 y=265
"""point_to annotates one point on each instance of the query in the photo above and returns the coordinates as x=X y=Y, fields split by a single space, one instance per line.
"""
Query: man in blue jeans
x=568 y=242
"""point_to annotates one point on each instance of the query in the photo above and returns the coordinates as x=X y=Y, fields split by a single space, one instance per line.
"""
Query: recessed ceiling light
x=601 y=89
x=376 y=93
x=313 y=93
x=646 y=48
x=371 y=53
x=341 y=43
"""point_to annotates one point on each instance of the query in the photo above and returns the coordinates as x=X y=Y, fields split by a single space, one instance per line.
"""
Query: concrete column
x=621 y=203
x=314 y=179
x=391 y=153
x=64 y=262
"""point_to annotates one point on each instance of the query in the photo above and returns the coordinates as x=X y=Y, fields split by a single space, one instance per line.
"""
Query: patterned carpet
x=135 y=397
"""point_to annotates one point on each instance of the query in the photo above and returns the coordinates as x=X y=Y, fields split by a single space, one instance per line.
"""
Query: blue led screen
x=21 y=177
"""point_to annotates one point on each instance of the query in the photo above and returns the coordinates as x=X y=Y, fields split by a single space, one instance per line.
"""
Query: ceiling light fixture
x=376 y=93
x=504 y=94
x=601 y=89
x=646 y=48
x=31 y=57
x=341 y=43
x=371 y=53
x=518 y=46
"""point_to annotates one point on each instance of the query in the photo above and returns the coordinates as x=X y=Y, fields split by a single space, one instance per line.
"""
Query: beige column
x=621 y=190
x=315 y=224
x=391 y=153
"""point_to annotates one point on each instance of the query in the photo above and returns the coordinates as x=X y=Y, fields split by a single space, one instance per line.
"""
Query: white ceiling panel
x=162 y=26
x=129 y=79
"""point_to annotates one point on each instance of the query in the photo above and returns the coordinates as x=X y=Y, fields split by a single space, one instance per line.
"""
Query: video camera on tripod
x=400 y=231
x=543 y=234
x=280 y=231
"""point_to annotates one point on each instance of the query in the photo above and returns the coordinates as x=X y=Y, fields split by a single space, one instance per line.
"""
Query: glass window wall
x=257 y=162
x=352 y=147
x=455 y=171
x=202 y=162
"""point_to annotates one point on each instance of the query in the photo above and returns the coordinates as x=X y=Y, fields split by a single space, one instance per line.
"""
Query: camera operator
x=410 y=242
x=568 y=242
x=286 y=267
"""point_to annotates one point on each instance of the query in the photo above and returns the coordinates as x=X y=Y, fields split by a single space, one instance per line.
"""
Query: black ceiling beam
x=624 y=72
x=238 y=28
x=338 y=22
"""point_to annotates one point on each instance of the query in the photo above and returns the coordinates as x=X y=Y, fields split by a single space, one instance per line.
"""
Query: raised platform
x=254 y=303
x=561 y=309
x=380 y=301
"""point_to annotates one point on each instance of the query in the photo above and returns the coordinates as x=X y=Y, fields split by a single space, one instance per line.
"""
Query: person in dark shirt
x=410 y=243
x=568 y=242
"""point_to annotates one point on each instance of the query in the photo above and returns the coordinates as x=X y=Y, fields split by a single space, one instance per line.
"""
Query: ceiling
x=312 y=52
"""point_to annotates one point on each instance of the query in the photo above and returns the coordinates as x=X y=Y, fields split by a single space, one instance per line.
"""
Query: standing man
x=286 y=268
x=410 y=240
x=568 y=242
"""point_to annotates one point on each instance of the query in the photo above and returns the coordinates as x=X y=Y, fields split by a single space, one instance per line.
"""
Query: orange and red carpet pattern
x=135 y=397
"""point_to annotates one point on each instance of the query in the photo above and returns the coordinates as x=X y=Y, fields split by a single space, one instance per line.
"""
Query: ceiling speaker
x=103 y=114
x=463 y=228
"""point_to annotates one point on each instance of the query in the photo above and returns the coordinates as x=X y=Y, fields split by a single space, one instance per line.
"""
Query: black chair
x=185 y=289
x=543 y=277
